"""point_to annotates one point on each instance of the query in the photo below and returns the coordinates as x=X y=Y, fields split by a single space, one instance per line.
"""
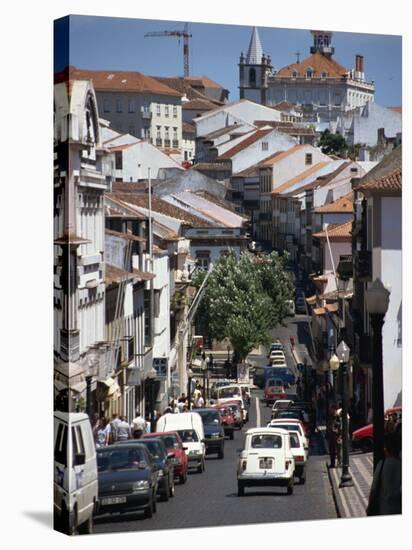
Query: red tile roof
x=244 y=144
x=198 y=105
x=117 y=81
x=396 y=109
x=343 y=204
x=298 y=178
x=269 y=162
x=188 y=128
x=336 y=231
x=391 y=183
x=319 y=63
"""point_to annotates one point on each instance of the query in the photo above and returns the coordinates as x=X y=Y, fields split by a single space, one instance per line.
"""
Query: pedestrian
x=113 y=427
x=124 y=431
x=386 y=491
x=332 y=442
x=102 y=433
x=200 y=402
x=138 y=425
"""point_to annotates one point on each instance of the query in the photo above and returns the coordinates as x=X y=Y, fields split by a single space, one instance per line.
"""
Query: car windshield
x=209 y=417
x=155 y=448
x=188 y=436
x=228 y=392
x=266 y=441
x=294 y=440
x=120 y=459
x=170 y=441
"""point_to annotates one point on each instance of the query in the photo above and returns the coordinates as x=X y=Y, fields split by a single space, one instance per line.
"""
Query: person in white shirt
x=200 y=402
x=138 y=425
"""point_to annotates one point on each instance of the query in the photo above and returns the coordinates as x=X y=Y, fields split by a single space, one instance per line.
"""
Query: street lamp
x=343 y=354
x=377 y=302
x=333 y=366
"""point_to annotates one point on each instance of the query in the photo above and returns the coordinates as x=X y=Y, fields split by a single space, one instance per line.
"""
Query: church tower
x=253 y=71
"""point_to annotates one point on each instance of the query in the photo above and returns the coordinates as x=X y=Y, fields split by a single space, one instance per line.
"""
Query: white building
x=323 y=88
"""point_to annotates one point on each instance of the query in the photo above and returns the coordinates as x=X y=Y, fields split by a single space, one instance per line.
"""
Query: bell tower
x=322 y=43
x=253 y=71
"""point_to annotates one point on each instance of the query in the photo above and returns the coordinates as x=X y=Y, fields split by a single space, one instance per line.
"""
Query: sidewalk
x=351 y=502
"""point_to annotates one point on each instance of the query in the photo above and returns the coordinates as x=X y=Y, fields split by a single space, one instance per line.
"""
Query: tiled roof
x=114 y=275
x=298 y=178
x=198 y=104
x=269 y=162
x=319 y=63
x=254 y=170
x=286 y=128
x=388 y=164
x=343 y=204
x=189 y=87
x=128 y=236
x=129 y=186
x=204 y=81
x=284 y=106
x=390 y=183
x=117 y=81
x=212 y=166
x=336 y=231
x=220 y=132
x=162 y=207
x=244 y=144
x=396 y=109
x=320 y=181
x=188 y=128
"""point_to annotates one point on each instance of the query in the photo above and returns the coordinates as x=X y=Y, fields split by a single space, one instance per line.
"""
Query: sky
x=119 y=44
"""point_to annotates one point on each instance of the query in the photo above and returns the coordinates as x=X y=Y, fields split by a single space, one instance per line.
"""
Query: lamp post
x=150 y=376
x=377 y=302
x=333 y=366
x=189 y=388
x=343 y=354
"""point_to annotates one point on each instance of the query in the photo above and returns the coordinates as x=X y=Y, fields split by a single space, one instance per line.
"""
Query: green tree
x=243 y=300
x=332 y=144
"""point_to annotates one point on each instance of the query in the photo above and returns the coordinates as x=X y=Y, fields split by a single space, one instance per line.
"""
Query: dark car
x=214 y=433
x=164 y=465
x=173 y=444
x=127 y=479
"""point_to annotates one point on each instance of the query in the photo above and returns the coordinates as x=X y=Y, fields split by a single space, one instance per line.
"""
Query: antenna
x=297 y=57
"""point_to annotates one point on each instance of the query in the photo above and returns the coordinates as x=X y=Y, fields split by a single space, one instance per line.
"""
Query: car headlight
x=140 y=486
x=216 y=435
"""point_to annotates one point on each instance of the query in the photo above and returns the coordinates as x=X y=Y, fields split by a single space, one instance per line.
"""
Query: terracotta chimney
x=358 y=63
x=361 y=63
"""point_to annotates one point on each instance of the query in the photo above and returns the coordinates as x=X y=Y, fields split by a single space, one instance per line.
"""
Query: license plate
x=265 y=463
x=113 y=500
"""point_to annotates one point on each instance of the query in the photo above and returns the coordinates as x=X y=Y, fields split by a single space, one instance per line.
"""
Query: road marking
x=257 y=413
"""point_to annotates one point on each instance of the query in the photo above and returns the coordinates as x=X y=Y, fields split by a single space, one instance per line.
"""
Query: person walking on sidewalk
x=332 y=442
x=386 y=491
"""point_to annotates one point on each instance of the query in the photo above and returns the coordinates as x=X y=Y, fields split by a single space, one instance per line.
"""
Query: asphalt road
x=210 y=499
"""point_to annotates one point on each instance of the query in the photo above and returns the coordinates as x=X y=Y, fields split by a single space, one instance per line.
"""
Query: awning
x=311 y=300
x=112 y=388
x=332 y=308
x=319 y=311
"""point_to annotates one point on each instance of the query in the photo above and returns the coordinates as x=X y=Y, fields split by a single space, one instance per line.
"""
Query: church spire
x=255 y=51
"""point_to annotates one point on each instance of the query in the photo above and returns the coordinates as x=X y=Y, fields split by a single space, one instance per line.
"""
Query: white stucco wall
x=161 y=344
x=292 y=165
x=138 y=158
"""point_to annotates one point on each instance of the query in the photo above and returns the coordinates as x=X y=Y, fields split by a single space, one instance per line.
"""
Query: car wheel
x=86 y=528
x=172 y=489
x=366 y=445
x=165 y=496
x=240 y=490
x=290 y=488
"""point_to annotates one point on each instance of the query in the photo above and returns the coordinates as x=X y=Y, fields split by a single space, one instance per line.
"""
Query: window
x=203 y=259
x=174 y=133
x=60 y=448
x=119 y=108
x=266 y=441
x=252 y=77
x=308 y=158
x=265 y=146
x=158 y=132
x=323 y=74
x=309 y=73
x=158 y=109
x=166 y=110
x=118 y=160
x=106 y=106
x=174 y=111
x=166 y=132
x=294 y=74
x=132 y=106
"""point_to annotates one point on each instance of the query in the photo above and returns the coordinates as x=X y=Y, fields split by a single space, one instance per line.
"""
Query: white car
x=291 y=424
x=266 y=460
x=282 y=404
x=277 y=354
x=276 y=346
x=300 y=454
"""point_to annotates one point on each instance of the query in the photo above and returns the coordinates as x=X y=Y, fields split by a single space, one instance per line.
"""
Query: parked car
x=174 y=446
x=363 y=437
x=128 y=479
x=266 y=460
x=273 y=392
x=75 y=473
x=214 y=433
x=189 y=426
x=277 y=354
x=276 y=346
x=227 y=419
x=297 y=446
x=163 y=463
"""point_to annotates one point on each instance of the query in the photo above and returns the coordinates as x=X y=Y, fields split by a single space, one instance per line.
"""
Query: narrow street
x=210 y=499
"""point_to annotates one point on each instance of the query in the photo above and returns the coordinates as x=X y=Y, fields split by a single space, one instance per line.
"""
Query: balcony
x=175 y=143
x=167 y=142
x=363 y=265
x=159 y=142
x=146 y=114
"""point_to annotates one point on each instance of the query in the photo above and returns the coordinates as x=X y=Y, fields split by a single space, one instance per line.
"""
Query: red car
x=235 y=408
x=273 y=392
x=174 y=444
x=363 y=437
x=227 y=419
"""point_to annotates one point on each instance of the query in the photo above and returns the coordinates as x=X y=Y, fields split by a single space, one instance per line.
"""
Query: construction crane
x=179 y=33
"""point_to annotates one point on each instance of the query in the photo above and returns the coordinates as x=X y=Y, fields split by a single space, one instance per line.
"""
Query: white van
x=75 y=473
x=189 y=426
